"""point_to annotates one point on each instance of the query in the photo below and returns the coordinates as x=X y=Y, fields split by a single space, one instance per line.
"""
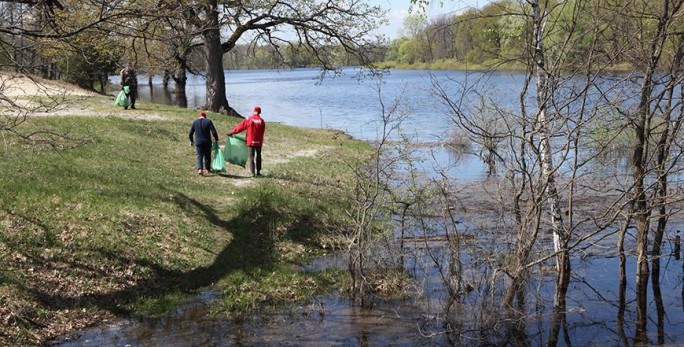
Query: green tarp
x=236 y=151
x=218 y=164
x=122 y=98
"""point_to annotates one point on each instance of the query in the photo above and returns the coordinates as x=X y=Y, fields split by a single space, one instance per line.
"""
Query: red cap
x=257 y=109
x=202 y=114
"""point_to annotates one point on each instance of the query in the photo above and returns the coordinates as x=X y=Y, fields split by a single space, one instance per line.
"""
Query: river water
x=299 y=98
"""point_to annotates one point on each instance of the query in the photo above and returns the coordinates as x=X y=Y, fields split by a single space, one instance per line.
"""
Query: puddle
x=591 y=317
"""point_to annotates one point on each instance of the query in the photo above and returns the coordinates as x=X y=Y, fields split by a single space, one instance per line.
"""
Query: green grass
x=118 y=223
x=489 y=65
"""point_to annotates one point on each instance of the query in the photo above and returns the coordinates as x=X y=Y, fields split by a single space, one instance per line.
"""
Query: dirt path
x=17 y=86
x=26 y=95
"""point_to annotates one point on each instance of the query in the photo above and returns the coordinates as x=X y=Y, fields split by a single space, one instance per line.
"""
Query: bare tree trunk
x=528 y=225
x=622 y=274
x=182 y=99
x=166 y=78
x=527 y=236
x=558 y=320
x=639 y=162
x=560 y=235
x=670 y=130
x=402 y=225
x=658 y=296
x=215 y=79
x=641 y=211
x=180 y=78
x=353 y=271
x=622 y=304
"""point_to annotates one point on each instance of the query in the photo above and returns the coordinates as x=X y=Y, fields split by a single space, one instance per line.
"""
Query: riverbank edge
x=35 y=313
x=452 y=65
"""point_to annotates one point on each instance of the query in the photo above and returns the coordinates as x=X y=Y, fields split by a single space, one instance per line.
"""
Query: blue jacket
x=202 y=129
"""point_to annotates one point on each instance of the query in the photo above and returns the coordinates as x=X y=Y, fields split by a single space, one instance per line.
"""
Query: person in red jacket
x=256 y=127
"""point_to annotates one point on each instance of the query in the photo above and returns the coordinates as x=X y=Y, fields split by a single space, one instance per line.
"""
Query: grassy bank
x=118 y=222
x=451 y=64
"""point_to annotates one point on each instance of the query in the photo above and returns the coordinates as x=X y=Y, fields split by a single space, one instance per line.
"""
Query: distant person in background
x=200 y=135
x=256 y=127
x=130 y=78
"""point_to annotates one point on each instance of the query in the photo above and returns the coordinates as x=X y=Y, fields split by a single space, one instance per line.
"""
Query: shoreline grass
x=123 y=226
x=487 y=66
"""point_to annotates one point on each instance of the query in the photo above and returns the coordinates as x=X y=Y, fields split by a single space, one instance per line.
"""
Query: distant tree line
x=293 y=56
x=496 y=34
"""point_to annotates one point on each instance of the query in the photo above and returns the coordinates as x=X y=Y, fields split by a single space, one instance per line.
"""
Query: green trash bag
x=218 y=164
x=236 y=151
x=122 y=99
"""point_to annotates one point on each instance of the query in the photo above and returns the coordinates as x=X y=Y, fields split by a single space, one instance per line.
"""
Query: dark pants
x=255 y=159
x=203 y=156
x=132 y=95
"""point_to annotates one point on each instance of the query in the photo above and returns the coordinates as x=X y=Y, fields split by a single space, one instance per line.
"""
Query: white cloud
x=398 y=10
x=396 y=22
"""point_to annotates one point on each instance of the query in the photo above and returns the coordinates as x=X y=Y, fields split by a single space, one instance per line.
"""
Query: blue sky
x=399 y=9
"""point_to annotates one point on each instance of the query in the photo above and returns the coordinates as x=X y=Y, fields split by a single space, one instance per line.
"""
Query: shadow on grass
x=252 y=246
x=237 y=177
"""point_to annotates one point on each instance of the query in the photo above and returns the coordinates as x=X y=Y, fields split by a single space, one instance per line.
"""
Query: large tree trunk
x=180 y=78
x=216 y=80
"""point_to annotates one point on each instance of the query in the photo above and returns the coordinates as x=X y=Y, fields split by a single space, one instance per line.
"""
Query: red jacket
x=255 y=127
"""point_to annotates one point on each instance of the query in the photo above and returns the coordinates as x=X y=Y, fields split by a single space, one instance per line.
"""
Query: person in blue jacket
x=201 y=131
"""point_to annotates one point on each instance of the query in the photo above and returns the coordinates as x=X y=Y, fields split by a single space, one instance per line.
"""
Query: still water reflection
x=331 y=321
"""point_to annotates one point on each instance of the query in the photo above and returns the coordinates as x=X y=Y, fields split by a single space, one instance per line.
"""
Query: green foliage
x=408 y=52
x=393 y=53
x=513 y=33
x=86 y=69
x=577 y=33
x=87 y=58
